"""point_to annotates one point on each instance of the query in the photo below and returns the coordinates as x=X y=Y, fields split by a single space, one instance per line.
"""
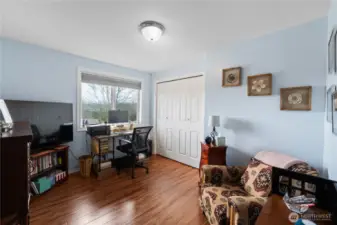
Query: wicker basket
x=85 y=165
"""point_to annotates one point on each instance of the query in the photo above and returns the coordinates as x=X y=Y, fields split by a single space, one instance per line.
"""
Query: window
x=100 y=94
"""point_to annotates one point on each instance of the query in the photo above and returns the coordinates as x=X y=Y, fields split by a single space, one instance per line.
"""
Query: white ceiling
x=107 y=30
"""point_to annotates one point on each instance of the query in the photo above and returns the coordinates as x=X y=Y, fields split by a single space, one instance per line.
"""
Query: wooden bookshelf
x=61 y=151
x=46 y=152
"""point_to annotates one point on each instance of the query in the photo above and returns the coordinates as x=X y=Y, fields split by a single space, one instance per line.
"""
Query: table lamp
x=6 y=122
x=214 y=121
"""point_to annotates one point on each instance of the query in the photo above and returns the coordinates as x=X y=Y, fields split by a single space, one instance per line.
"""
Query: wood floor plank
x=167 y=195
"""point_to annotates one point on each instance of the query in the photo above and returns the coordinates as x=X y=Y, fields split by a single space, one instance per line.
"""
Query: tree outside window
x=98 y=99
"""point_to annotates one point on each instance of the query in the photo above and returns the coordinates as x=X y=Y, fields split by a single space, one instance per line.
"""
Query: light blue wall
x=36 y=73
x=295 y=57
x=330 y=150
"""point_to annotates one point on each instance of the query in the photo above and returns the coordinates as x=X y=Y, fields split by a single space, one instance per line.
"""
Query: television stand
x=45 y=147
x=52 y=164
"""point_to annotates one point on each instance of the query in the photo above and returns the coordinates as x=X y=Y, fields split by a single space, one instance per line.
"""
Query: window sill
x=81 y=129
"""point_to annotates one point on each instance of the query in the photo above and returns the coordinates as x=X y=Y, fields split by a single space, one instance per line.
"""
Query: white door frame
x=155 y=93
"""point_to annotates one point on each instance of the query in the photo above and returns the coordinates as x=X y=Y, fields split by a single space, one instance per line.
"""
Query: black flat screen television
x=51 y=122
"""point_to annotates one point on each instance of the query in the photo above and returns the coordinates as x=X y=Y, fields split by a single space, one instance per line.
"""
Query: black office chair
x=137 y=150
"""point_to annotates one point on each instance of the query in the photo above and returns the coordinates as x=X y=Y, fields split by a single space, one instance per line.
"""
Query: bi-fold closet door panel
x=180 y=115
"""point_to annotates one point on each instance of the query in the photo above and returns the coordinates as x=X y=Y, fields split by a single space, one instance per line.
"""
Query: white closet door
x=180 y=115
x=161 y=118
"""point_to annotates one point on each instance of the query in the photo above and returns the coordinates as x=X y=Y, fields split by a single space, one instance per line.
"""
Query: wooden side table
x=275 y=212
x=212 y=155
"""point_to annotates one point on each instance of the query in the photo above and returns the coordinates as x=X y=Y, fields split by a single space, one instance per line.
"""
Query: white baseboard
x=74 y=170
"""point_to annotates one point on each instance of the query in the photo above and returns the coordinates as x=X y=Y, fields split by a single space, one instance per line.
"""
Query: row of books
x=43 y=184
x=43 y=163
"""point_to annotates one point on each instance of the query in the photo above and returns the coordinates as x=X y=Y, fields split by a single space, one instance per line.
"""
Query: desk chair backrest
x=140 y=138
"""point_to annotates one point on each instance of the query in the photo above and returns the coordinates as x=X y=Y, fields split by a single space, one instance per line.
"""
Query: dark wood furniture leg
x=113 y=148
x=133 y=166
x=99 y=155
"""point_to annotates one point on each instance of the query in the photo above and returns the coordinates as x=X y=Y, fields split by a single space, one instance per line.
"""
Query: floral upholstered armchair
x=236 y=194
x=223 y=194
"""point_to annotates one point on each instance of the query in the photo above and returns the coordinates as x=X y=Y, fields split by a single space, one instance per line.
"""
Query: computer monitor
x=118 y=116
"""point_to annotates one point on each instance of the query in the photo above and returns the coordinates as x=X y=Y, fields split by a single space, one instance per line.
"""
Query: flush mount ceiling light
x=151 y=30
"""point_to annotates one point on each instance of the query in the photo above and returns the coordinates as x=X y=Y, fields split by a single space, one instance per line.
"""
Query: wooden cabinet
x=15 y=152
x=212 y=155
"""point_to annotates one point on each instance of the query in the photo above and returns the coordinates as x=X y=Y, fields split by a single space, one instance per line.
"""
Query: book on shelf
x=54 y=159
x=44 y=162
x=33 y=186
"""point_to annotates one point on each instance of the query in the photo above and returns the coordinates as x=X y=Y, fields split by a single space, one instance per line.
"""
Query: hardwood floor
x=167 y=195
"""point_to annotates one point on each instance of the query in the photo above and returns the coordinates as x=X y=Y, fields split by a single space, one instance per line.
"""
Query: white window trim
x=81 y=70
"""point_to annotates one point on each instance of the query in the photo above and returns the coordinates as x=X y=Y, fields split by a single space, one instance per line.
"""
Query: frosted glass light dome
x=151 y=30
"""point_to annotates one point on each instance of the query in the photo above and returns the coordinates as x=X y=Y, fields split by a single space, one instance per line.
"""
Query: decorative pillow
x=257 y=179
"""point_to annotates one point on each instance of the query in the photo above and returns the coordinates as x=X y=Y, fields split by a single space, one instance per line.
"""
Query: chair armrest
x=124 y=140
x=125 y=145
x=245 y=209
x=120 y=140
x=218 y=175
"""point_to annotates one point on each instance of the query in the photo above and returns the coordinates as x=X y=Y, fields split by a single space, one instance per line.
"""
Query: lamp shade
x=5 y=113
x=214 y=121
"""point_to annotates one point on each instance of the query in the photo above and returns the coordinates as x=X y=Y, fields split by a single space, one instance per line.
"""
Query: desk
x=275 y=212
x=112 y=137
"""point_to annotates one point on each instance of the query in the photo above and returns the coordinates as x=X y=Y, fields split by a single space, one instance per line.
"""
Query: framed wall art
x=296 y=98
x=231 y=77
x=329 y=94
x=332 y=52
x=260 y=85
x=334 y=112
